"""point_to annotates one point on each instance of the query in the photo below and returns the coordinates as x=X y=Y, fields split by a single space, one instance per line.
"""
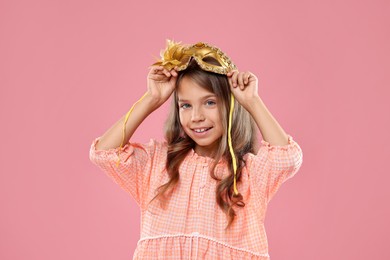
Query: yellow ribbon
x=124 y=127
x=230 y=143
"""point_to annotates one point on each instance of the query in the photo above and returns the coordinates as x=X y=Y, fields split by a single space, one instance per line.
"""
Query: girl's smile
x=200 y=116
x=200 y=131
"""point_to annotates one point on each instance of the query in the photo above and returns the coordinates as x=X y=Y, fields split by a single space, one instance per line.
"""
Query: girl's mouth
x=201 y=131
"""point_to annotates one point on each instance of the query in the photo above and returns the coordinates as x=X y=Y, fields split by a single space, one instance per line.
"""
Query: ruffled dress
x=192 y=226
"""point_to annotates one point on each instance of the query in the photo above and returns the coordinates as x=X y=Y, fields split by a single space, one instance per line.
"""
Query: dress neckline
x=204 y=159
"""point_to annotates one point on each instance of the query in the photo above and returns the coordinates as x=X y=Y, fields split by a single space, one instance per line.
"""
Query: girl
x=203 y=192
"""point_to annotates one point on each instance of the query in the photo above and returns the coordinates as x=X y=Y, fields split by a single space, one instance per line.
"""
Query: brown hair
x=244 y=138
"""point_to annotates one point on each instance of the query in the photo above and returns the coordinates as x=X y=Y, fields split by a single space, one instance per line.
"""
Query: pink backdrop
x=70 y=69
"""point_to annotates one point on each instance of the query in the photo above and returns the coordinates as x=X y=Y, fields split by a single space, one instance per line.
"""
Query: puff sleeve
x=132 y=173
x=272 y=166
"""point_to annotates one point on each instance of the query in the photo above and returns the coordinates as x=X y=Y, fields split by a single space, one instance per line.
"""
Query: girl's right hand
x=161 y=83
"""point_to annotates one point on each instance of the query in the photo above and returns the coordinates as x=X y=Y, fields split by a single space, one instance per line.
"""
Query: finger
x=234 y=78
x=246 y=78
x=159 y=73
x=231 y=73
x=241 y=80
x=156 y=69
x=166 y=72
x=173 y=72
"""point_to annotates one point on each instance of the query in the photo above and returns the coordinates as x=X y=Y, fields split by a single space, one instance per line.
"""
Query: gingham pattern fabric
x=192 y=226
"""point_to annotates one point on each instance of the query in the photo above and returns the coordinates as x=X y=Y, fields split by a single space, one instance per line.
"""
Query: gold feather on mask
x=172 y=56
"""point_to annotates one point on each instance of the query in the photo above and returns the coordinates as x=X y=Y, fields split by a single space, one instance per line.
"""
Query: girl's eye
x=185 y=105
x=210 y=102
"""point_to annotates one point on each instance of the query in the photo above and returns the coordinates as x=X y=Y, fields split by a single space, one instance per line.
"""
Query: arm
x=270 y=129
x=112 y=138
x=161 y=84
x=279 y=158
x=131 y=168
x=244 y=86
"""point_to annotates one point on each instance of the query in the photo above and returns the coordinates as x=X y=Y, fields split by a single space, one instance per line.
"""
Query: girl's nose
x=197 y=115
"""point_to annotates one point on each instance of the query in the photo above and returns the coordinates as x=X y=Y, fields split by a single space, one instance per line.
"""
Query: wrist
x=152 y=102
x=252 y=103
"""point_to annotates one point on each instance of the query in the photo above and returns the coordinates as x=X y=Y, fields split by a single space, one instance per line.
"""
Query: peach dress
x=192 y=226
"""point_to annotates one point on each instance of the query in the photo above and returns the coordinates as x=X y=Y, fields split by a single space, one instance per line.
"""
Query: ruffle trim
x=291 y=144
x=111 y=150
x=210 y=239
x=124 y=152
x=204 y=159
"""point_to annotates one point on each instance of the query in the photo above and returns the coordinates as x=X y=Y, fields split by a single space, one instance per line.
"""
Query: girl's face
x=199 y=116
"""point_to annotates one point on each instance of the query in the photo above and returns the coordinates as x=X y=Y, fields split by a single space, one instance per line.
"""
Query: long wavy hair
x=244 y=138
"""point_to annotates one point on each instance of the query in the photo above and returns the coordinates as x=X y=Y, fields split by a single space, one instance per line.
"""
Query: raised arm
x=161 y=84
x=280 y=157
x=270 y=129
x=244 y=86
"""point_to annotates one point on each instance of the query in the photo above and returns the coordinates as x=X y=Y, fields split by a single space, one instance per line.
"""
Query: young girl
x=203 y=192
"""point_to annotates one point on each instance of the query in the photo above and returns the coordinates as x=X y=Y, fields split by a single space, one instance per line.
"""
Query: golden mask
x=177 y=54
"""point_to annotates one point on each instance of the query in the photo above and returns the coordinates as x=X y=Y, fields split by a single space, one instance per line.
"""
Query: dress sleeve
x=272 y=166
x=130 y=174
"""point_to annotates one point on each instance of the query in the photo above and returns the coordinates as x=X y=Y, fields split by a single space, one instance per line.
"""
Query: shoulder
x=157 y=143
x=279 y=157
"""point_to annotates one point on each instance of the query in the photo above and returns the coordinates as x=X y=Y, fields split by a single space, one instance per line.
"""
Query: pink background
x=70 y=69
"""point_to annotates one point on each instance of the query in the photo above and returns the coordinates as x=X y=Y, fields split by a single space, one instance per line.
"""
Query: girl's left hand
x=244 y=86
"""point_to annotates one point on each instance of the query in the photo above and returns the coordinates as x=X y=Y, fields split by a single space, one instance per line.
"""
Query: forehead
x=189 y=89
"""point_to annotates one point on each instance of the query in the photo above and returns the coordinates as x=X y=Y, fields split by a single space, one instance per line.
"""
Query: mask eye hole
x=211 y=60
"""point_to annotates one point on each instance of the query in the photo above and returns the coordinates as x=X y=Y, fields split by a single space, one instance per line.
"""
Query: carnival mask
x=177 y=54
